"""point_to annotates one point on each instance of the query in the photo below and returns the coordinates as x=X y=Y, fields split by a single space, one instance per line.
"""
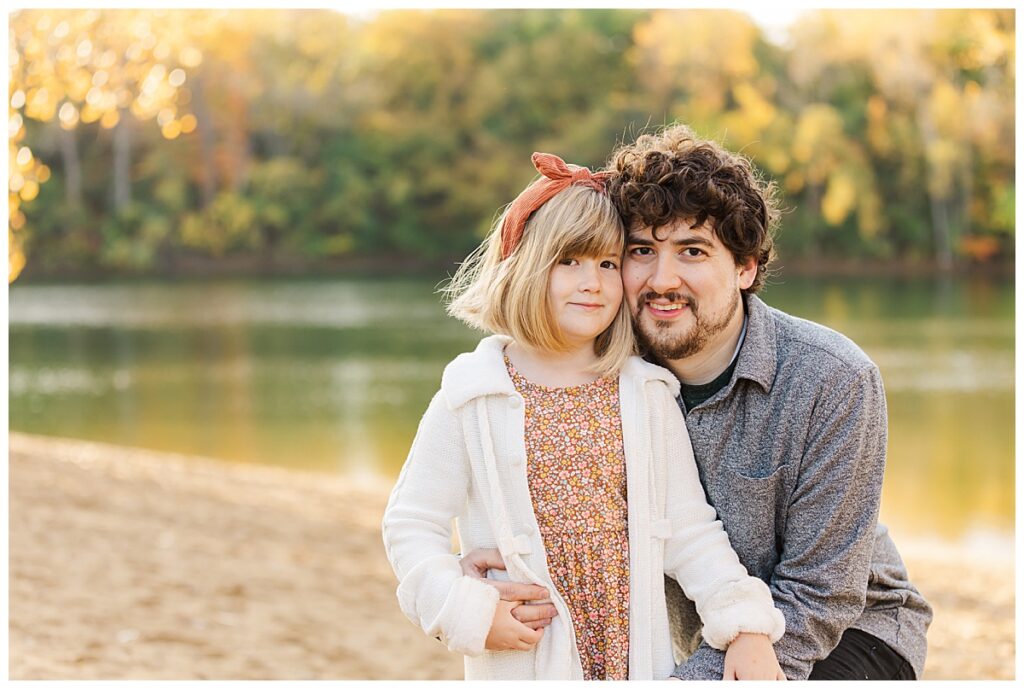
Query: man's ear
x=747 y=272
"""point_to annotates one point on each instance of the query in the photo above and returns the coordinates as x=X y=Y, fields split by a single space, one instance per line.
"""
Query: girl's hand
x=509 y=634
x=751 y=656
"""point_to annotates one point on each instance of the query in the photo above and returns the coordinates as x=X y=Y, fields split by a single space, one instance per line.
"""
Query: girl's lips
x=586 y=307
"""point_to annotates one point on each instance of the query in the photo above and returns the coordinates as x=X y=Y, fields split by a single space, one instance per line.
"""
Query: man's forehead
x=673 y=231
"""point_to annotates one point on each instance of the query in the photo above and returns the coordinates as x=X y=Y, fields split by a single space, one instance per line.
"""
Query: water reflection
x=334 y=375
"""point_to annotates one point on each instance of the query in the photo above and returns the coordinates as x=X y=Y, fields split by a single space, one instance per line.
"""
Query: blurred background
x=226 y=228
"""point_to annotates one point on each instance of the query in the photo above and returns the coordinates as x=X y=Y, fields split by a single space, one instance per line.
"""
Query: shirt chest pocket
x=752 y=507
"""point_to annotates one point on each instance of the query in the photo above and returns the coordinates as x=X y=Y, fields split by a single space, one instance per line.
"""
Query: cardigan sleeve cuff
x=740 y=606
x=465 y=619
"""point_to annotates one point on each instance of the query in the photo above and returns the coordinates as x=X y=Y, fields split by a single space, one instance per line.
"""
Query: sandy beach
x=132 y=564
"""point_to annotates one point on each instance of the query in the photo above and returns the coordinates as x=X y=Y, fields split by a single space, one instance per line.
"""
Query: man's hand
x=509 y=634
x=533 y=615
x=751 y=656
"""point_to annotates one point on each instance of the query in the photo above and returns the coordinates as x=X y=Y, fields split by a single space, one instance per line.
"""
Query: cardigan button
x=514 y=402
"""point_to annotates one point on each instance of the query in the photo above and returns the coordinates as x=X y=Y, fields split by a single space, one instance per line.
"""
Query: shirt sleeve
x=697 y=550
x=820 y=583
x=417 y=529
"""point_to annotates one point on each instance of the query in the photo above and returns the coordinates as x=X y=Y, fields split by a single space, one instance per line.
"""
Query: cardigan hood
x=482 y=372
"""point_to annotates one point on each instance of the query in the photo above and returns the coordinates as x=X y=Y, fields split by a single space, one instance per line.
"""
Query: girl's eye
x=567 y=261
x=610 y=264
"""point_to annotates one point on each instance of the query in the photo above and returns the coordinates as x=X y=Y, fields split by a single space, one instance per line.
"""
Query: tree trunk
x=122 y=161
x=72 y=167
x=207 y=142
x=941 y=227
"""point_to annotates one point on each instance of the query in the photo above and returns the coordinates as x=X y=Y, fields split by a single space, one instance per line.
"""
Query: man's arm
x=821 y=580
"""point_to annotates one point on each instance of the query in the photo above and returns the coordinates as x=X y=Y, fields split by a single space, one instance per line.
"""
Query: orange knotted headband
x=556 y=177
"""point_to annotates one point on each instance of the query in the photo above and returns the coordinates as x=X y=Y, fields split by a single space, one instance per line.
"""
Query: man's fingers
x=535 y=612
x=477 y=562
x=514 y=591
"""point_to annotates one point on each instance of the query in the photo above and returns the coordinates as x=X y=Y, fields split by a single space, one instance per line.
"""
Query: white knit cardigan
x=468 y=462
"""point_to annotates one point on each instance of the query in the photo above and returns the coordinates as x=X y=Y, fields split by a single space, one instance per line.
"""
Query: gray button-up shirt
x=791 y=454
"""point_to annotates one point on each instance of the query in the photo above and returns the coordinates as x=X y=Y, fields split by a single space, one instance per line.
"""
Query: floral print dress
x=576 y=471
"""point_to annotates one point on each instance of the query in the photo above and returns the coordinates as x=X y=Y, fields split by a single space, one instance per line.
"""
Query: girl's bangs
x=598 y=236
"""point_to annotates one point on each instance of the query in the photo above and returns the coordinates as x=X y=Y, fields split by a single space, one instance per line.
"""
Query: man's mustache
x=670 y=296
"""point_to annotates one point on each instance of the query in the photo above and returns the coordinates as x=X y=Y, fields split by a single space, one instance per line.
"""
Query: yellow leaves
x=171 y=130
x=754 y=115
x=15 y=255
x=878 y=124
x=721 y=41
x=700 y=52
x=189 y=124
x=15 y=130
x=794 y=182
x=41 y=105
x=30 y=190
x=110 y=119
x=190 y=57
x=947 y=109
x=839 y=198
x=817 y=128
x=68 y=116
x=88 y=64
x=26 y=174
x=176 y=77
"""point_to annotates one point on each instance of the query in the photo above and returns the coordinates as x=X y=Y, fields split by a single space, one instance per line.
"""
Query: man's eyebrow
x=685 y=241
x=693 y=241
x=637 y=239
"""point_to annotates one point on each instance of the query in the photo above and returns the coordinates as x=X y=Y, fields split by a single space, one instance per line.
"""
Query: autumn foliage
x=138 y=137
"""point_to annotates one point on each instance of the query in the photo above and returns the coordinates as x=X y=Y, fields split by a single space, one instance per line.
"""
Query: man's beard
x=682 y=345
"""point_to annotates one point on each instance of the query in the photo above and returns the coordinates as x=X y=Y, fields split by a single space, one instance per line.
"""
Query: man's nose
x=666 y=276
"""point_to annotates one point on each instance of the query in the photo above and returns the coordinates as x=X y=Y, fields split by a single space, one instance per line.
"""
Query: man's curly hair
x=674 y=175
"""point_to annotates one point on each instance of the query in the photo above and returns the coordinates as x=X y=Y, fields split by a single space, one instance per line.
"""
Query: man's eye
x=693 y=253
x=641 y=251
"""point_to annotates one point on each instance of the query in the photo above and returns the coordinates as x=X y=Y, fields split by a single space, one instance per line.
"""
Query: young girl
x=552 y=443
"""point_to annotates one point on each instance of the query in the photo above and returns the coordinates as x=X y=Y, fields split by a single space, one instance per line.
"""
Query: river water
x=333 y=374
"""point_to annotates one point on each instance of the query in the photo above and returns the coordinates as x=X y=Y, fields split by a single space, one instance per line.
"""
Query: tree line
x=138 y=138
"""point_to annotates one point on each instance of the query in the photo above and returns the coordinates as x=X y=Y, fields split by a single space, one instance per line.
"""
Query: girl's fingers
x=532 y=636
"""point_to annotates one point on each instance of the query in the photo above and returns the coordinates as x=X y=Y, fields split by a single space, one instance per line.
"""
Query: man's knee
x=859 y=656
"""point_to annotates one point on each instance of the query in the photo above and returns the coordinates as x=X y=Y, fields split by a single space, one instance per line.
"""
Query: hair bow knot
x=556 y=176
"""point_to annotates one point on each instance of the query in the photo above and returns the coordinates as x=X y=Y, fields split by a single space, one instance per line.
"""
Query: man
x=787 y=419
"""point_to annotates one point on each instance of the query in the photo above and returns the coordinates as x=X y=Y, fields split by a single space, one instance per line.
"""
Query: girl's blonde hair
x=510 y=296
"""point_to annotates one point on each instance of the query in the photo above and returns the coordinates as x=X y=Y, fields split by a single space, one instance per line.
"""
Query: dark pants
x=862 y=656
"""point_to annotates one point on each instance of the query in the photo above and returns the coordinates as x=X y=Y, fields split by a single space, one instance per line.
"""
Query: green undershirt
x=693 y=395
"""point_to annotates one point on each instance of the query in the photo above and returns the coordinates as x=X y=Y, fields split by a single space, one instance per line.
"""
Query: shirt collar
x=759 y=352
